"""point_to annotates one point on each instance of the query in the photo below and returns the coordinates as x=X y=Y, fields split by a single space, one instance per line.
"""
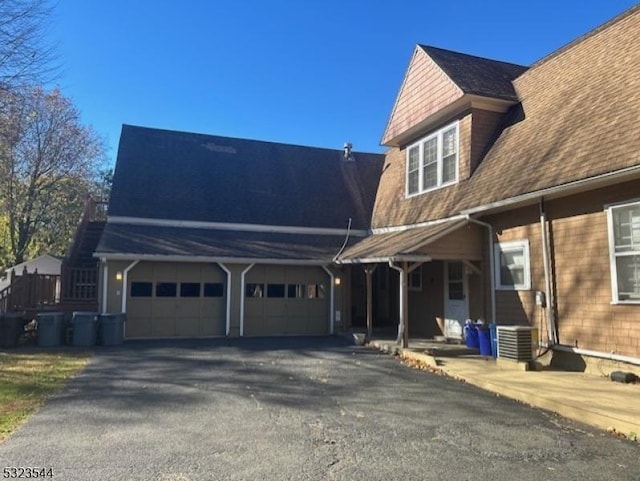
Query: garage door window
x=275 y=290
x=254 y=290
x=141 y=289
x=315 y=291
x=166 y=289
x=296 y=291
x=190 y=289
x=213 y=289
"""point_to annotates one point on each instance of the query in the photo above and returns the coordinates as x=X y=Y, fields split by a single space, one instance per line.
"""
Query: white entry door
x=456 y=299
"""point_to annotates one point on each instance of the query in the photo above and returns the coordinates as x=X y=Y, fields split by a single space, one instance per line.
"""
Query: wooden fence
x=30 y=291
x=33 y=291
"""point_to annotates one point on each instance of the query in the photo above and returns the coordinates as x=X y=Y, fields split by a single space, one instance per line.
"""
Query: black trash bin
x=50 y=329
x=85 y=328
x=11 y=326
x=112 y=328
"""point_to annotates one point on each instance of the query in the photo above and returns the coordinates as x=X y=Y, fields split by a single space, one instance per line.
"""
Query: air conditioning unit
x=517 y=343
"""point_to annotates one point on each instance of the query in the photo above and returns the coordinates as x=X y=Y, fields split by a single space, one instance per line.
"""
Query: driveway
x=297 y=409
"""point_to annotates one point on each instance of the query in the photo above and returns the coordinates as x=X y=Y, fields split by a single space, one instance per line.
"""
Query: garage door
x=176 y=300
x=283 y=300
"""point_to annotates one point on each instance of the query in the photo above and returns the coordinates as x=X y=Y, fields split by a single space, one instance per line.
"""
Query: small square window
x=296 y=291
x=275 y=290
x=316 y=291
x=213 y=289
x=254 y=290
x=141 y=289
x=189 y=289
x=512 y=270
x=166 y=289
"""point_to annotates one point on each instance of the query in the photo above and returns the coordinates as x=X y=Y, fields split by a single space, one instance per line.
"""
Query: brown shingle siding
x=426 y=89
x=581 y=270
x=484 y=130
x=577 y=109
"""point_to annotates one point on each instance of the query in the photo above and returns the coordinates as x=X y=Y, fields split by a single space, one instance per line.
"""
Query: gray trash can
x=11 y=326
x=112 y=329
x=50 y=329
x=85 y=328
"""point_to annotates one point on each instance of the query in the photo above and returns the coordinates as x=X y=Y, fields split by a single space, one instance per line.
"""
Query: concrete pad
x=593 y=400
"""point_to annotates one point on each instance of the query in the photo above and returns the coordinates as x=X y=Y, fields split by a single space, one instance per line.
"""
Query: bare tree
x=26 y=57
x=49 y=163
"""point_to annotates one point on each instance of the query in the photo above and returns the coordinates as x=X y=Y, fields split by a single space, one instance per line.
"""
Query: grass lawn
x=26 y=379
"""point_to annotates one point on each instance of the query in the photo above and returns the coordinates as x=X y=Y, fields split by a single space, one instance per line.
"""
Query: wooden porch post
x=403 y=325
x=404 y=304
x=403 y=329
x=369 y=270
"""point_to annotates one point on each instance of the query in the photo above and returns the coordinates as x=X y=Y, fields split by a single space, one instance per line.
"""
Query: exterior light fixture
x=337 y=281
x=118 y=276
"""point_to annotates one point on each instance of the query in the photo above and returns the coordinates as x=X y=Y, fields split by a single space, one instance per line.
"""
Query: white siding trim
x=191 y=224
x=499 y=247
x=105 y=285
x=400 y=228
x=331 y=298
x=125 y=290
x=613 y=265
x=558 y=191
x=228 y=293
x=438 y=135
x=242 y=274
x=216 y=260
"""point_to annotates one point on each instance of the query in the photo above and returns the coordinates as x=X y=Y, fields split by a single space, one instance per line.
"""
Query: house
x=513 y=194
x=44 y=264
x=215 y=236
x=508 y=193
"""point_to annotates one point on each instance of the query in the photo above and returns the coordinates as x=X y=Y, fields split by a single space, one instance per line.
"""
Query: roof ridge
x=591 y=33
x=243 y=139
x=431 y=47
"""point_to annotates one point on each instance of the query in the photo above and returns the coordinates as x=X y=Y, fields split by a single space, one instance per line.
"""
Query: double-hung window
x=512 y=272
x=433 y=161
x=624 y=252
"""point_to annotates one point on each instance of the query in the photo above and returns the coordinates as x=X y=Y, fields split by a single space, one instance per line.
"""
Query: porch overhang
x=418 y=244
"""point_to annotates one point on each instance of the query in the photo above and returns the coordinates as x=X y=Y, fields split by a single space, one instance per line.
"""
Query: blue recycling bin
x=471 y=336
x=484 y=340
x=493 y=332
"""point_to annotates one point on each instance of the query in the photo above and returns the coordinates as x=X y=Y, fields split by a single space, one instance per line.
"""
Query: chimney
x=347 y=155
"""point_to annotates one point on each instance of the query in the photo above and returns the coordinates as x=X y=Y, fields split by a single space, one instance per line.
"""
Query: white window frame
x=440 y=162
x=613 y=255
x=519 y=245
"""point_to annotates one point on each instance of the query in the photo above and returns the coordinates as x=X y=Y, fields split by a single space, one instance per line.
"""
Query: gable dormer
x=447 y=111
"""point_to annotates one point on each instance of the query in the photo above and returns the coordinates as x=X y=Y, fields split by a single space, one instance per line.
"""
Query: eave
x=463 y=104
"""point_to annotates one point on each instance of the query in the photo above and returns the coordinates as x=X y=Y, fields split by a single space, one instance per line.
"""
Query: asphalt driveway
x=297 y=409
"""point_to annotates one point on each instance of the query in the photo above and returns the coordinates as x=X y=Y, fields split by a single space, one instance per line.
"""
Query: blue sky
x=304 y=72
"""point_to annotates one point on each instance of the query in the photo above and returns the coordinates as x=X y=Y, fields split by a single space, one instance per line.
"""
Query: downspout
x=125 y=274
x=242 y=274
x=551 y=321
x=331 y=297
x=602 y=355
x=105 y=281
x=224 y=268
x=402 y=320
x=492 y=280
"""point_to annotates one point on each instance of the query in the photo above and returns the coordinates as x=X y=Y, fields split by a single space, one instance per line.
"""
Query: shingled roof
x=477 y=75
x=128 y=241
x=162 y=174
x=578 y=117
x=576 y=120
x=437 y=79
